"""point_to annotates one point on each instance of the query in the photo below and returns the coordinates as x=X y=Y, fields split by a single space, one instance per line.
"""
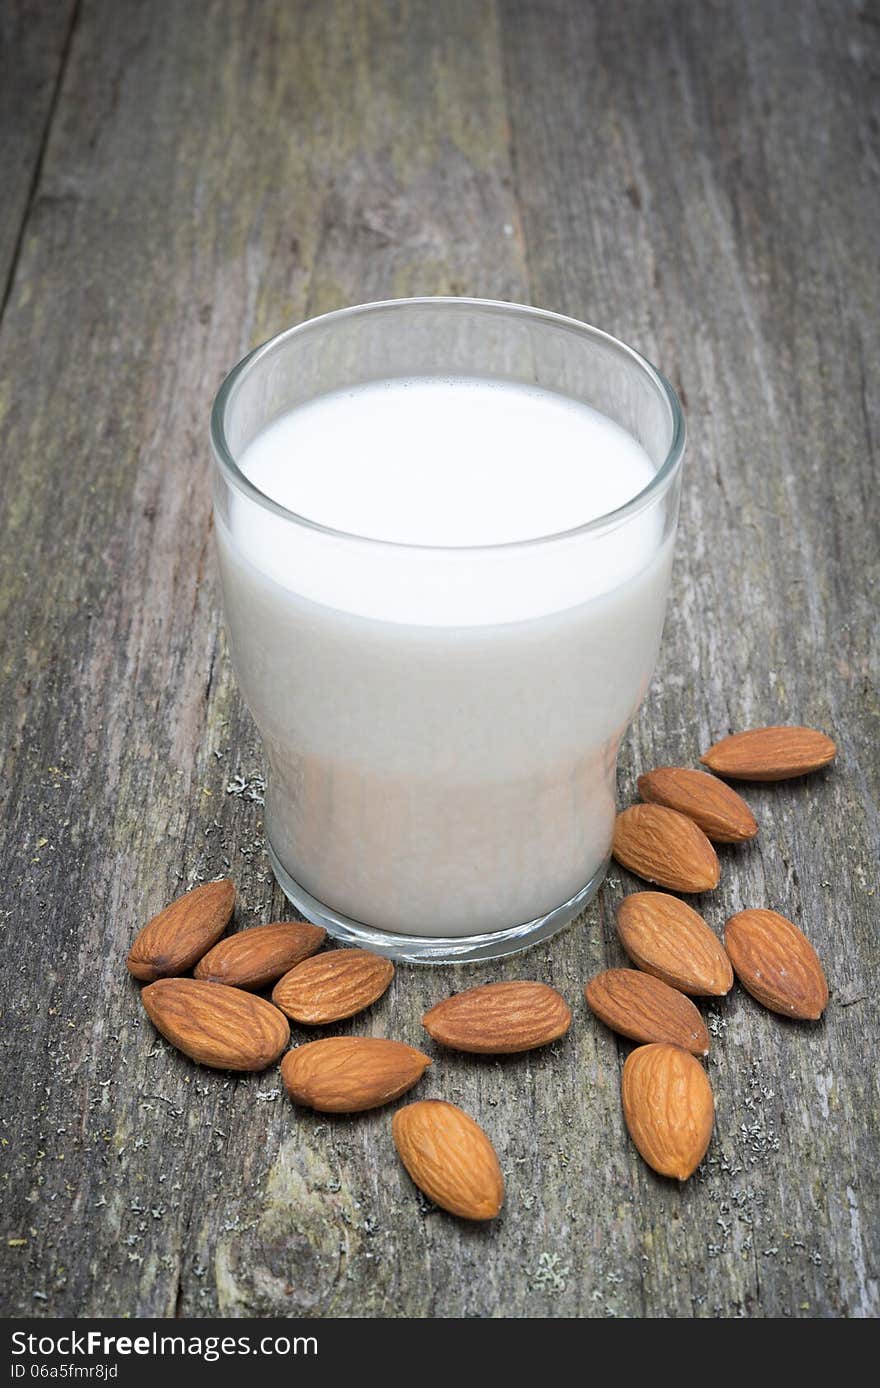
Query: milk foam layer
x=435 y=461
x=455 y=463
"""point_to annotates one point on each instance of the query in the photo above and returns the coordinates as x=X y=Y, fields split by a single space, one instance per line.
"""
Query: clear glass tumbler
x=441 y=724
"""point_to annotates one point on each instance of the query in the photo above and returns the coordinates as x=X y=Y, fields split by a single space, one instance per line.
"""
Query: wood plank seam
x=40 y=157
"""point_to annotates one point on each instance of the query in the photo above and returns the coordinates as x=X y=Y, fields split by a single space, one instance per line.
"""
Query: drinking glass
x=441 y=724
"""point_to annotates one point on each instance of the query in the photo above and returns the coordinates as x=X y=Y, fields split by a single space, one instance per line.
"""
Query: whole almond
x=722 y=815
x=669 y=939
x=450 y=1158
x=770 y=754
x=347 y=1074
x=668 y=1107
x=172 y=941
x=215 y=1025
x=665 y=847
x=646 y=1009
x=333 y=986
x=776 y=963
x=499 y=1018
x=256 y=957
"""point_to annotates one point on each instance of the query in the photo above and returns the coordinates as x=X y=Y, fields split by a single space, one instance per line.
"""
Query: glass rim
x=608 y=520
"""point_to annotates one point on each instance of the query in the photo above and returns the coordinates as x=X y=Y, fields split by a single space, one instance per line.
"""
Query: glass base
x=435 y=949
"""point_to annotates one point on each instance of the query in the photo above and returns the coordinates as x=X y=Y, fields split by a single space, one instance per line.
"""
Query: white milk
x=442 y=724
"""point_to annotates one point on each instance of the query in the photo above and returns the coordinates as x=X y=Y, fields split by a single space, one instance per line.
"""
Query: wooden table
x=180 y=182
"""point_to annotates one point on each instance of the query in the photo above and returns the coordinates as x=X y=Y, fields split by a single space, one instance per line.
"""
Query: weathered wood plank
x=696 y=178
x=34 y=35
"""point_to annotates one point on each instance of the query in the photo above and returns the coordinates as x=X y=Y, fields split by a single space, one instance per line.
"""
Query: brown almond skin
x=177 y=937
x=723 y=816
x=333 y=986
x=775 y=962
x=665 y=847
x=665 y=937
x=770 y=754
x=647 y=1009
x=215 y=1025
x=449 y=1158
x=499 y=1018
x=254 y=958
x=349 y=1074
x=669 y=1108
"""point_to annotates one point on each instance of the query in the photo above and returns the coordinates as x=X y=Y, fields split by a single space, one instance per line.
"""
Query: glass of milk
x=445 y=531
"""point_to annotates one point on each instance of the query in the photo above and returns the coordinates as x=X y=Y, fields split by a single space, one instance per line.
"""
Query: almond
x=173 y=940
x=256 y=957
x=666 y=847
x=499 y=1018
x=668 y=1107
x=770 y=754
x=333 y=986
x=722 y=815
x=777 y=964
x=646 y=1009
x=450 y=1158
x=347 y=1074
x=215 y=1025
x=669 y=939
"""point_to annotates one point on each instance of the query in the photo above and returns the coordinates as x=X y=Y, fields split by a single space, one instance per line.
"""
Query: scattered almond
x=256 y=957
x=668 y=1107
x=215 y=1025
x=177 y=937
x=450 y=1158
x=770 y=754
x=347 y=1074
x=665 y=847
x=333 y=986
x=499 y=1018
x=646 y=1009
x=669 y=939
x=776 y=963
x=722 y=815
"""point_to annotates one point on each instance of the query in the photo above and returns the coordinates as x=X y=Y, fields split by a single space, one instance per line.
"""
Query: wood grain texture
x=701 y=180
x=35 y=36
